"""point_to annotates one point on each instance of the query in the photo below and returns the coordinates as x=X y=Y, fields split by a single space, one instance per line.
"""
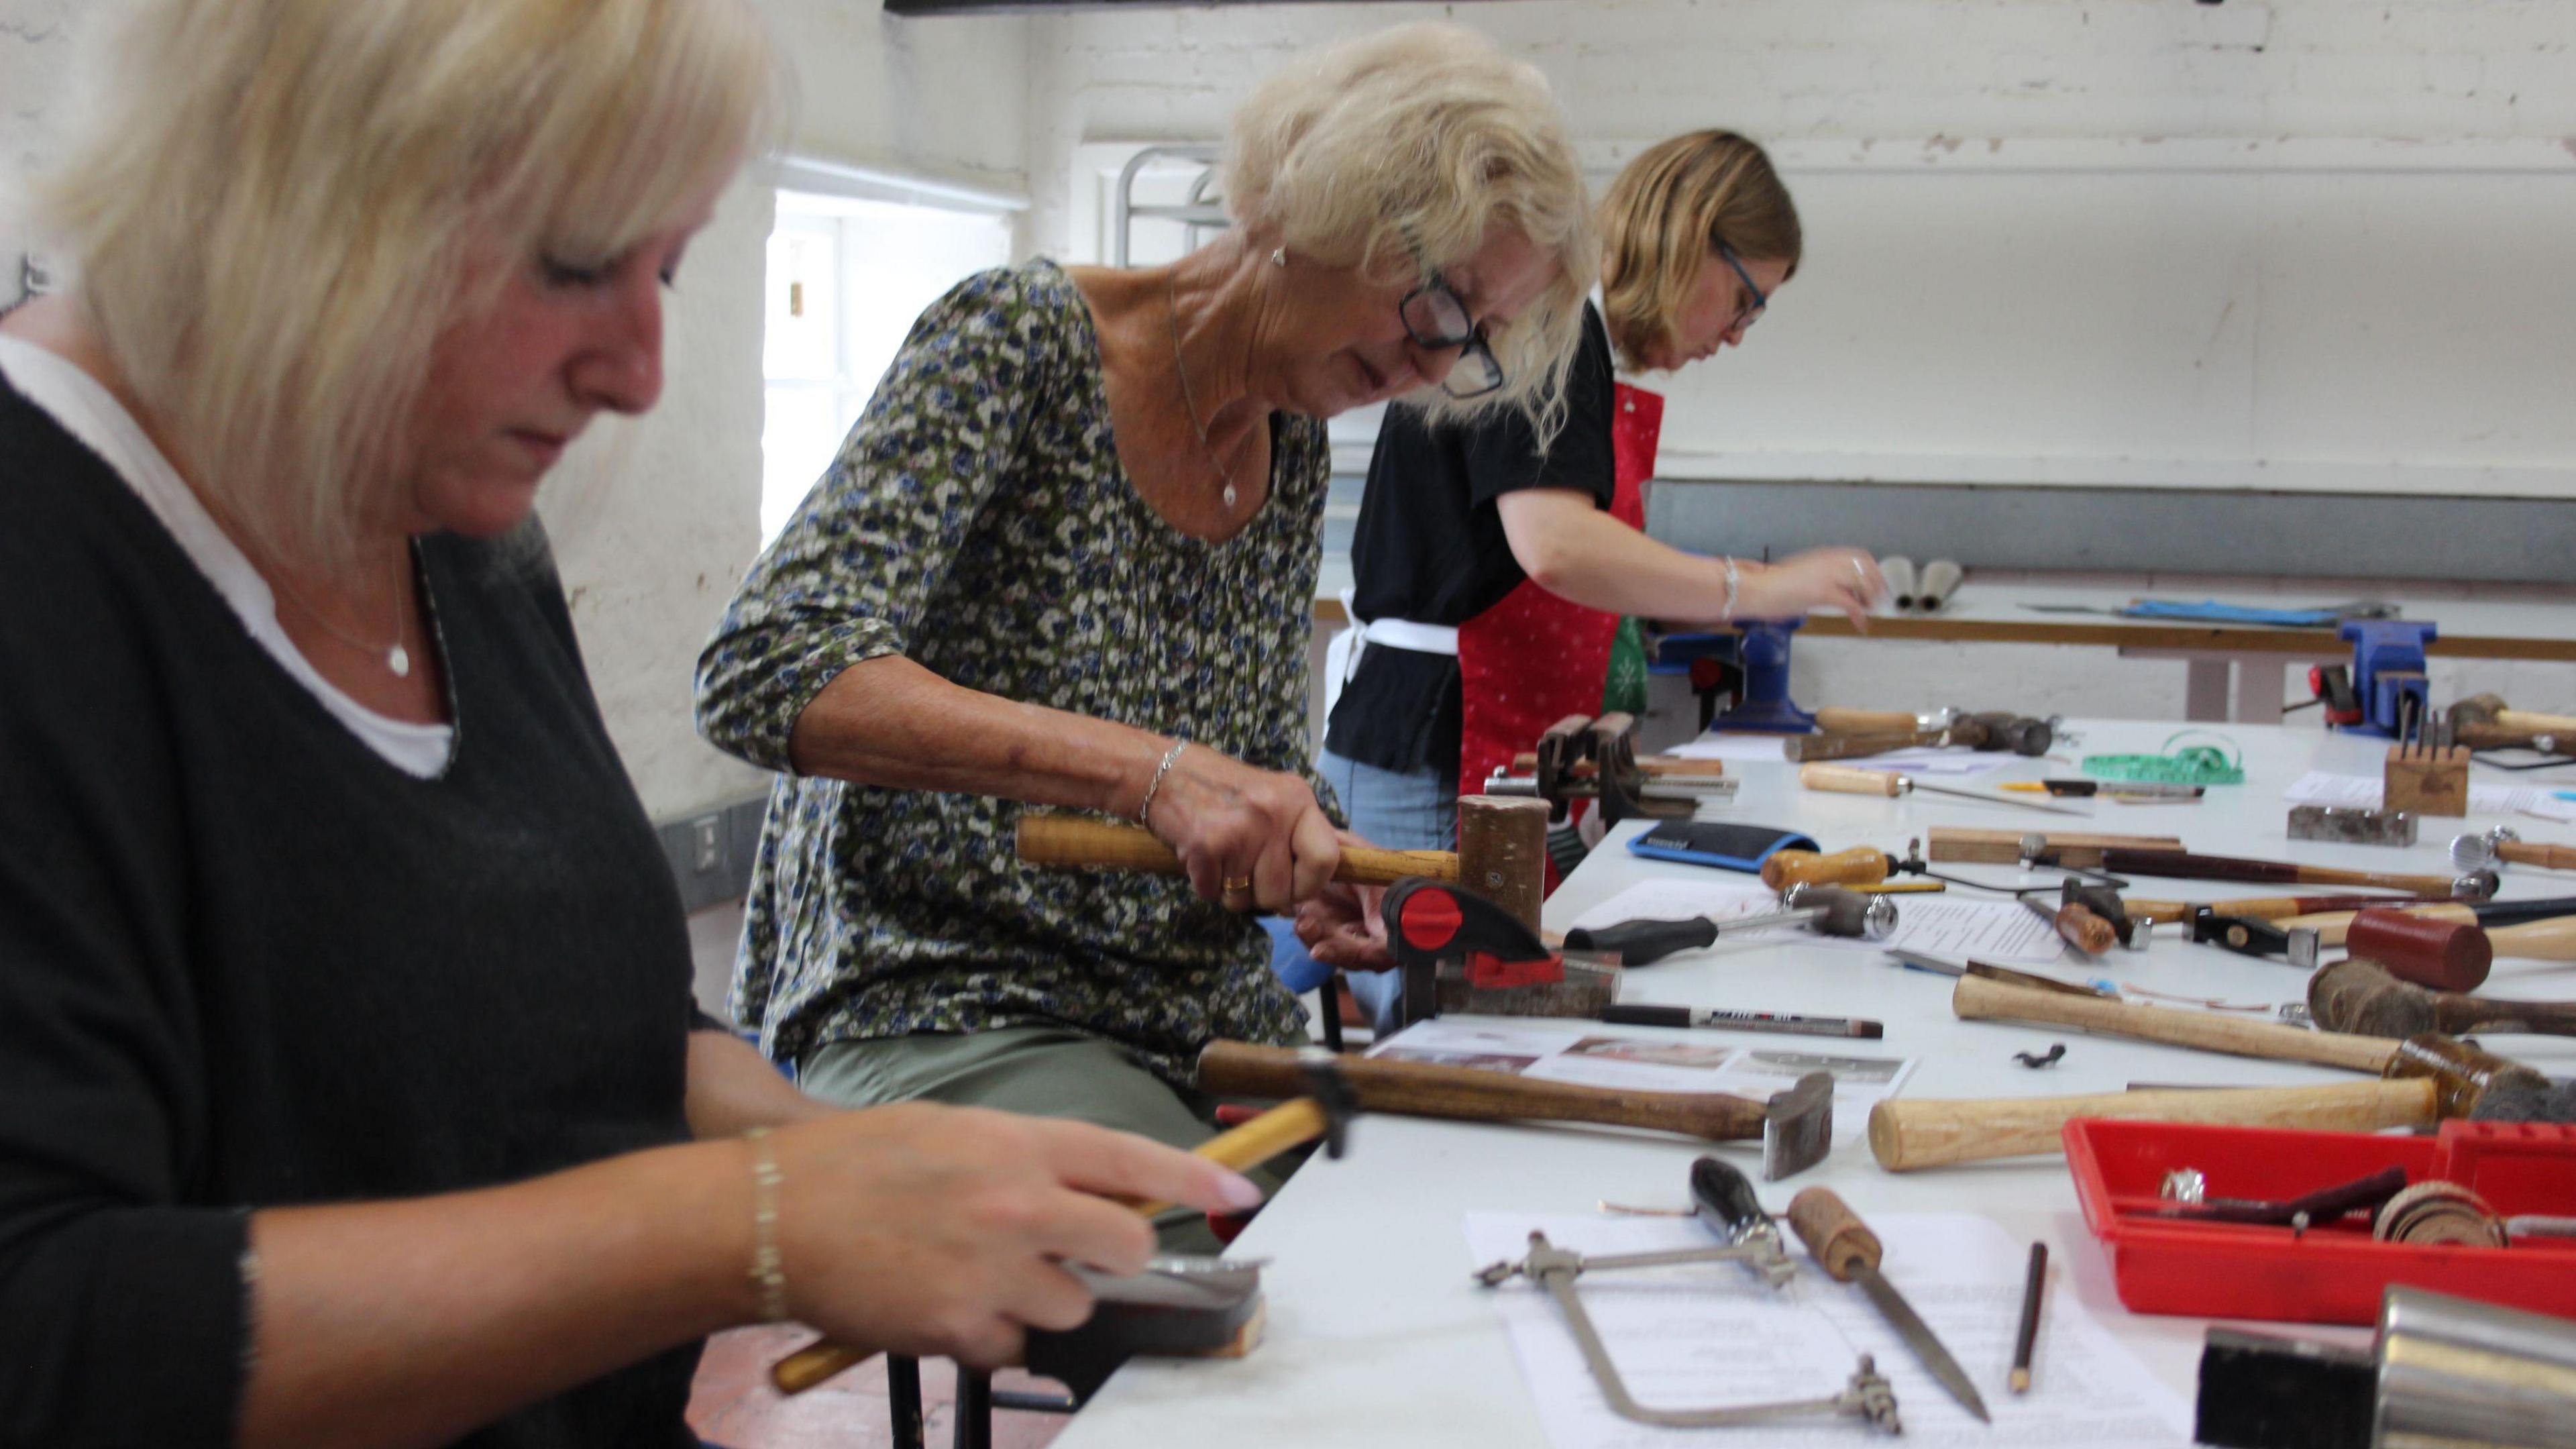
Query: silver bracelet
x=1153 y=787
x=1732 y=582
x=768 y=1265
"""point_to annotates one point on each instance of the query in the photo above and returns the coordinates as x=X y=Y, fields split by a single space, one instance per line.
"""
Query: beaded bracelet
x=1145 y=807
x=768 y=1266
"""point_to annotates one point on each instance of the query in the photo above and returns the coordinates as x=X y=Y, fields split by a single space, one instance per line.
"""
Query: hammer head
x=2468 y=852
x=2356 y=996
x=2476 y=885
x=2477 y=709
x=2462 y=1073
x=1798 y=1127
x=1332 y=1091
x=1846 y=913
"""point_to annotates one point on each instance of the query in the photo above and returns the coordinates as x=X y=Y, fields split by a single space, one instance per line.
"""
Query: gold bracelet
x=768 y=1266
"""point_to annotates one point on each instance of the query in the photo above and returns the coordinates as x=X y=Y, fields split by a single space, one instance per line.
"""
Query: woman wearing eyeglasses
x=1066 y=560
x=1492 y=568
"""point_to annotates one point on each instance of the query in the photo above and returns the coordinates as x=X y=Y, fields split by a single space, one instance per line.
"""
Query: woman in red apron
x=1491 y=571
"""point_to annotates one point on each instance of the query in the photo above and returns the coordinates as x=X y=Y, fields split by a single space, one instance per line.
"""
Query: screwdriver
x=1832 y=911
x=1844 y=779
x=1849 y=1252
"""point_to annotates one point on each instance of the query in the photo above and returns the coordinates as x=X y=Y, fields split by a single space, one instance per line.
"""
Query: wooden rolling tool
x=2358 y=996
x=1795 y=1126
x=1977 y=999
x=2191 y=865
x=1326 y=1114
x=2428 y=1078
x=1078 y=843
x=2503 y=843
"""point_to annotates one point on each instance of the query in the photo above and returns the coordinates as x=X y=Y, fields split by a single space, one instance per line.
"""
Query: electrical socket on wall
x=706 y=842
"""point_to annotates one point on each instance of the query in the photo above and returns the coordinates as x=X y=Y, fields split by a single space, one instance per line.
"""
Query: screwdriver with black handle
x=1849 y=1252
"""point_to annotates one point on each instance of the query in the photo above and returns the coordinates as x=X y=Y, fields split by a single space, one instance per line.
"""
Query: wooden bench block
x=2427 y=780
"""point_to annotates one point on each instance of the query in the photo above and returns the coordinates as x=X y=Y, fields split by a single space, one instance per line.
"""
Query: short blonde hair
x=1401 y=150
x=279 y=203
x=1668 y=212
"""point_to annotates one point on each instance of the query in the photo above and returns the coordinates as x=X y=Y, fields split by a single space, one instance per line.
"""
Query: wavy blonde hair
x=1664 y=218
x=1400 y=151
x=277 y=206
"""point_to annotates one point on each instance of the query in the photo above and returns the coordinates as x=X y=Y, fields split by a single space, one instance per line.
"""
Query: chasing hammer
x=2468 y=852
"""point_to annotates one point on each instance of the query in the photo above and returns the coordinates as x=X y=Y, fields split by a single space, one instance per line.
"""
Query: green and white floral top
x=977 y=521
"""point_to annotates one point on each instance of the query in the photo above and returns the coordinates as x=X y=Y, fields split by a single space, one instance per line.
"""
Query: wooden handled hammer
x=2358 y=996
x=1076 y=843
x=1795 y=1127
x=2427 y=1079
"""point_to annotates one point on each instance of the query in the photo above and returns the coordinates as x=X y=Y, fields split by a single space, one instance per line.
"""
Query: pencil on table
x=2029 y=1336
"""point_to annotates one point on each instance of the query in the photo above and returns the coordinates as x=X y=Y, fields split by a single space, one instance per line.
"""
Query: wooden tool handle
x=1249 y=1145
x=1845 y=780
x=1421 y=1089
x=1978 y=999
x=1866 y=721
x=2536 y=724
x=1071 y=841
x=1909 y=1133
x=2069 y=847
x=1841 y=1242
x=1860 y=865
x=2085 y=931
x=1662 y=767
x=2548 y=857
x=2552 y=940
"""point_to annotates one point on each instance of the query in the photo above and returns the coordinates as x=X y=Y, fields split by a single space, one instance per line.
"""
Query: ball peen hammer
x=2504 y=844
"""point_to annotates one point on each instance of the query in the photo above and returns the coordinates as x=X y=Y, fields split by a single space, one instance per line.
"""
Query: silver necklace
x=397 y=658
x=1172 y=296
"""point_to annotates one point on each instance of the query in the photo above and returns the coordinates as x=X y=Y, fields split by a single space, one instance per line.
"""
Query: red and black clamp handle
x=1430 y=922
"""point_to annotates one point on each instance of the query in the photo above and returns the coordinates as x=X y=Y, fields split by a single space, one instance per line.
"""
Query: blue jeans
x=1400 y=810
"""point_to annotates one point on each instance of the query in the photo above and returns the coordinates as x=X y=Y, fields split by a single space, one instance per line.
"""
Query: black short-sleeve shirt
x=1430 y=548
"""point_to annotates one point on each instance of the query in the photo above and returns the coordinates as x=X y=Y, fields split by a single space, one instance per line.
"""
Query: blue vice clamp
x=2387 y=670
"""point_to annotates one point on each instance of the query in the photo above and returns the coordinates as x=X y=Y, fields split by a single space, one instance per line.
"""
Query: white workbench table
x=1376 y=1336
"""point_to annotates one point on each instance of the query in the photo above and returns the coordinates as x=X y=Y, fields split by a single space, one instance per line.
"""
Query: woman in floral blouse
x=1067 y=559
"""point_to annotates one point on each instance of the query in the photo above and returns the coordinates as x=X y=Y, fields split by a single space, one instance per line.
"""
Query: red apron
x=1534 y=658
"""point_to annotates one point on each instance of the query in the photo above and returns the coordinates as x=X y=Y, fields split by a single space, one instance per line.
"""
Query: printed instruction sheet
x=1704 y=1336
x=1990 y=930
x=1587 y=1054
x=2360 y=792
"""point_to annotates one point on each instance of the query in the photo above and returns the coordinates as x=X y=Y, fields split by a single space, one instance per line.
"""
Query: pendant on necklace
x=398 y=659
x=1229 y=495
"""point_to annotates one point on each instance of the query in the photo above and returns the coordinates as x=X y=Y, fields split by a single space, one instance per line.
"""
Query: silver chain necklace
x=1172 y=296
x=397 y=658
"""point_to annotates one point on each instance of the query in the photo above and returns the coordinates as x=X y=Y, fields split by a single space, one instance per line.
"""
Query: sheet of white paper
x=2360 y=792
x=1587 y=1054
x=1991 y=930
x=1766 y=748
x=1700 y=1337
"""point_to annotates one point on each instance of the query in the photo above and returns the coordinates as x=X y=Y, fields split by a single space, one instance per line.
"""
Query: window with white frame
x=847 y=277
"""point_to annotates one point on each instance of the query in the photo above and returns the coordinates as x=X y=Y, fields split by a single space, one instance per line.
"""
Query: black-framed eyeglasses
x=1748 y=315
x=1435 y=318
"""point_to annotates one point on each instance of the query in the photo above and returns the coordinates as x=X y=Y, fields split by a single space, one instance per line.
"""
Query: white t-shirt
x=90 y=413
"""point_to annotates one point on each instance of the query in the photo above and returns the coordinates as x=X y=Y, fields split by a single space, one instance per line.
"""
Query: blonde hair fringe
x=281 y=204
x=1402 y=150
x=1664 y=218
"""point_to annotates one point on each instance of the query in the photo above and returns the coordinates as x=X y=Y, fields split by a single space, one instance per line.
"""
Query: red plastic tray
x=2332 y=1274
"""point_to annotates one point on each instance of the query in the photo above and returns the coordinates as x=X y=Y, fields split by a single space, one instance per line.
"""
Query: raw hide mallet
x=2547 y=938
x=2428 y=1079
x=2359 y=997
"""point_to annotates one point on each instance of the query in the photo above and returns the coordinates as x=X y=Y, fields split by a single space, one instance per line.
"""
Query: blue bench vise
x=2387 y=671
x=1751 y=661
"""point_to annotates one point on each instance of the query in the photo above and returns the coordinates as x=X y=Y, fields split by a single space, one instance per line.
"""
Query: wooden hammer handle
x=1669 y=767
x=2536 y=724
x=1834 y=720
x=1845 y=780
x=1071 y=841
x=2548 y=857
x=1909 y=1133
x=2552 y=940
x=1978 y=999
x=1249 y=1145
x=1422 y=1089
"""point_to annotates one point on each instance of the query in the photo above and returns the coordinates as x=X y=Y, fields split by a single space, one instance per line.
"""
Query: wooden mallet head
x=2445 y=955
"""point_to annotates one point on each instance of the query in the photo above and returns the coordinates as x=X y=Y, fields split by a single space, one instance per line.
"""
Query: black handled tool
x=1830 y=910
x=1644 y=1014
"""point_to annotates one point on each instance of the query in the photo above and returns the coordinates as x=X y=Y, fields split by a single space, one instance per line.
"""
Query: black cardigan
x=246 y=962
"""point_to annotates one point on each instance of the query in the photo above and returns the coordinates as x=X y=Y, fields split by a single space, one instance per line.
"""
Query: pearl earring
x=1278 y=256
